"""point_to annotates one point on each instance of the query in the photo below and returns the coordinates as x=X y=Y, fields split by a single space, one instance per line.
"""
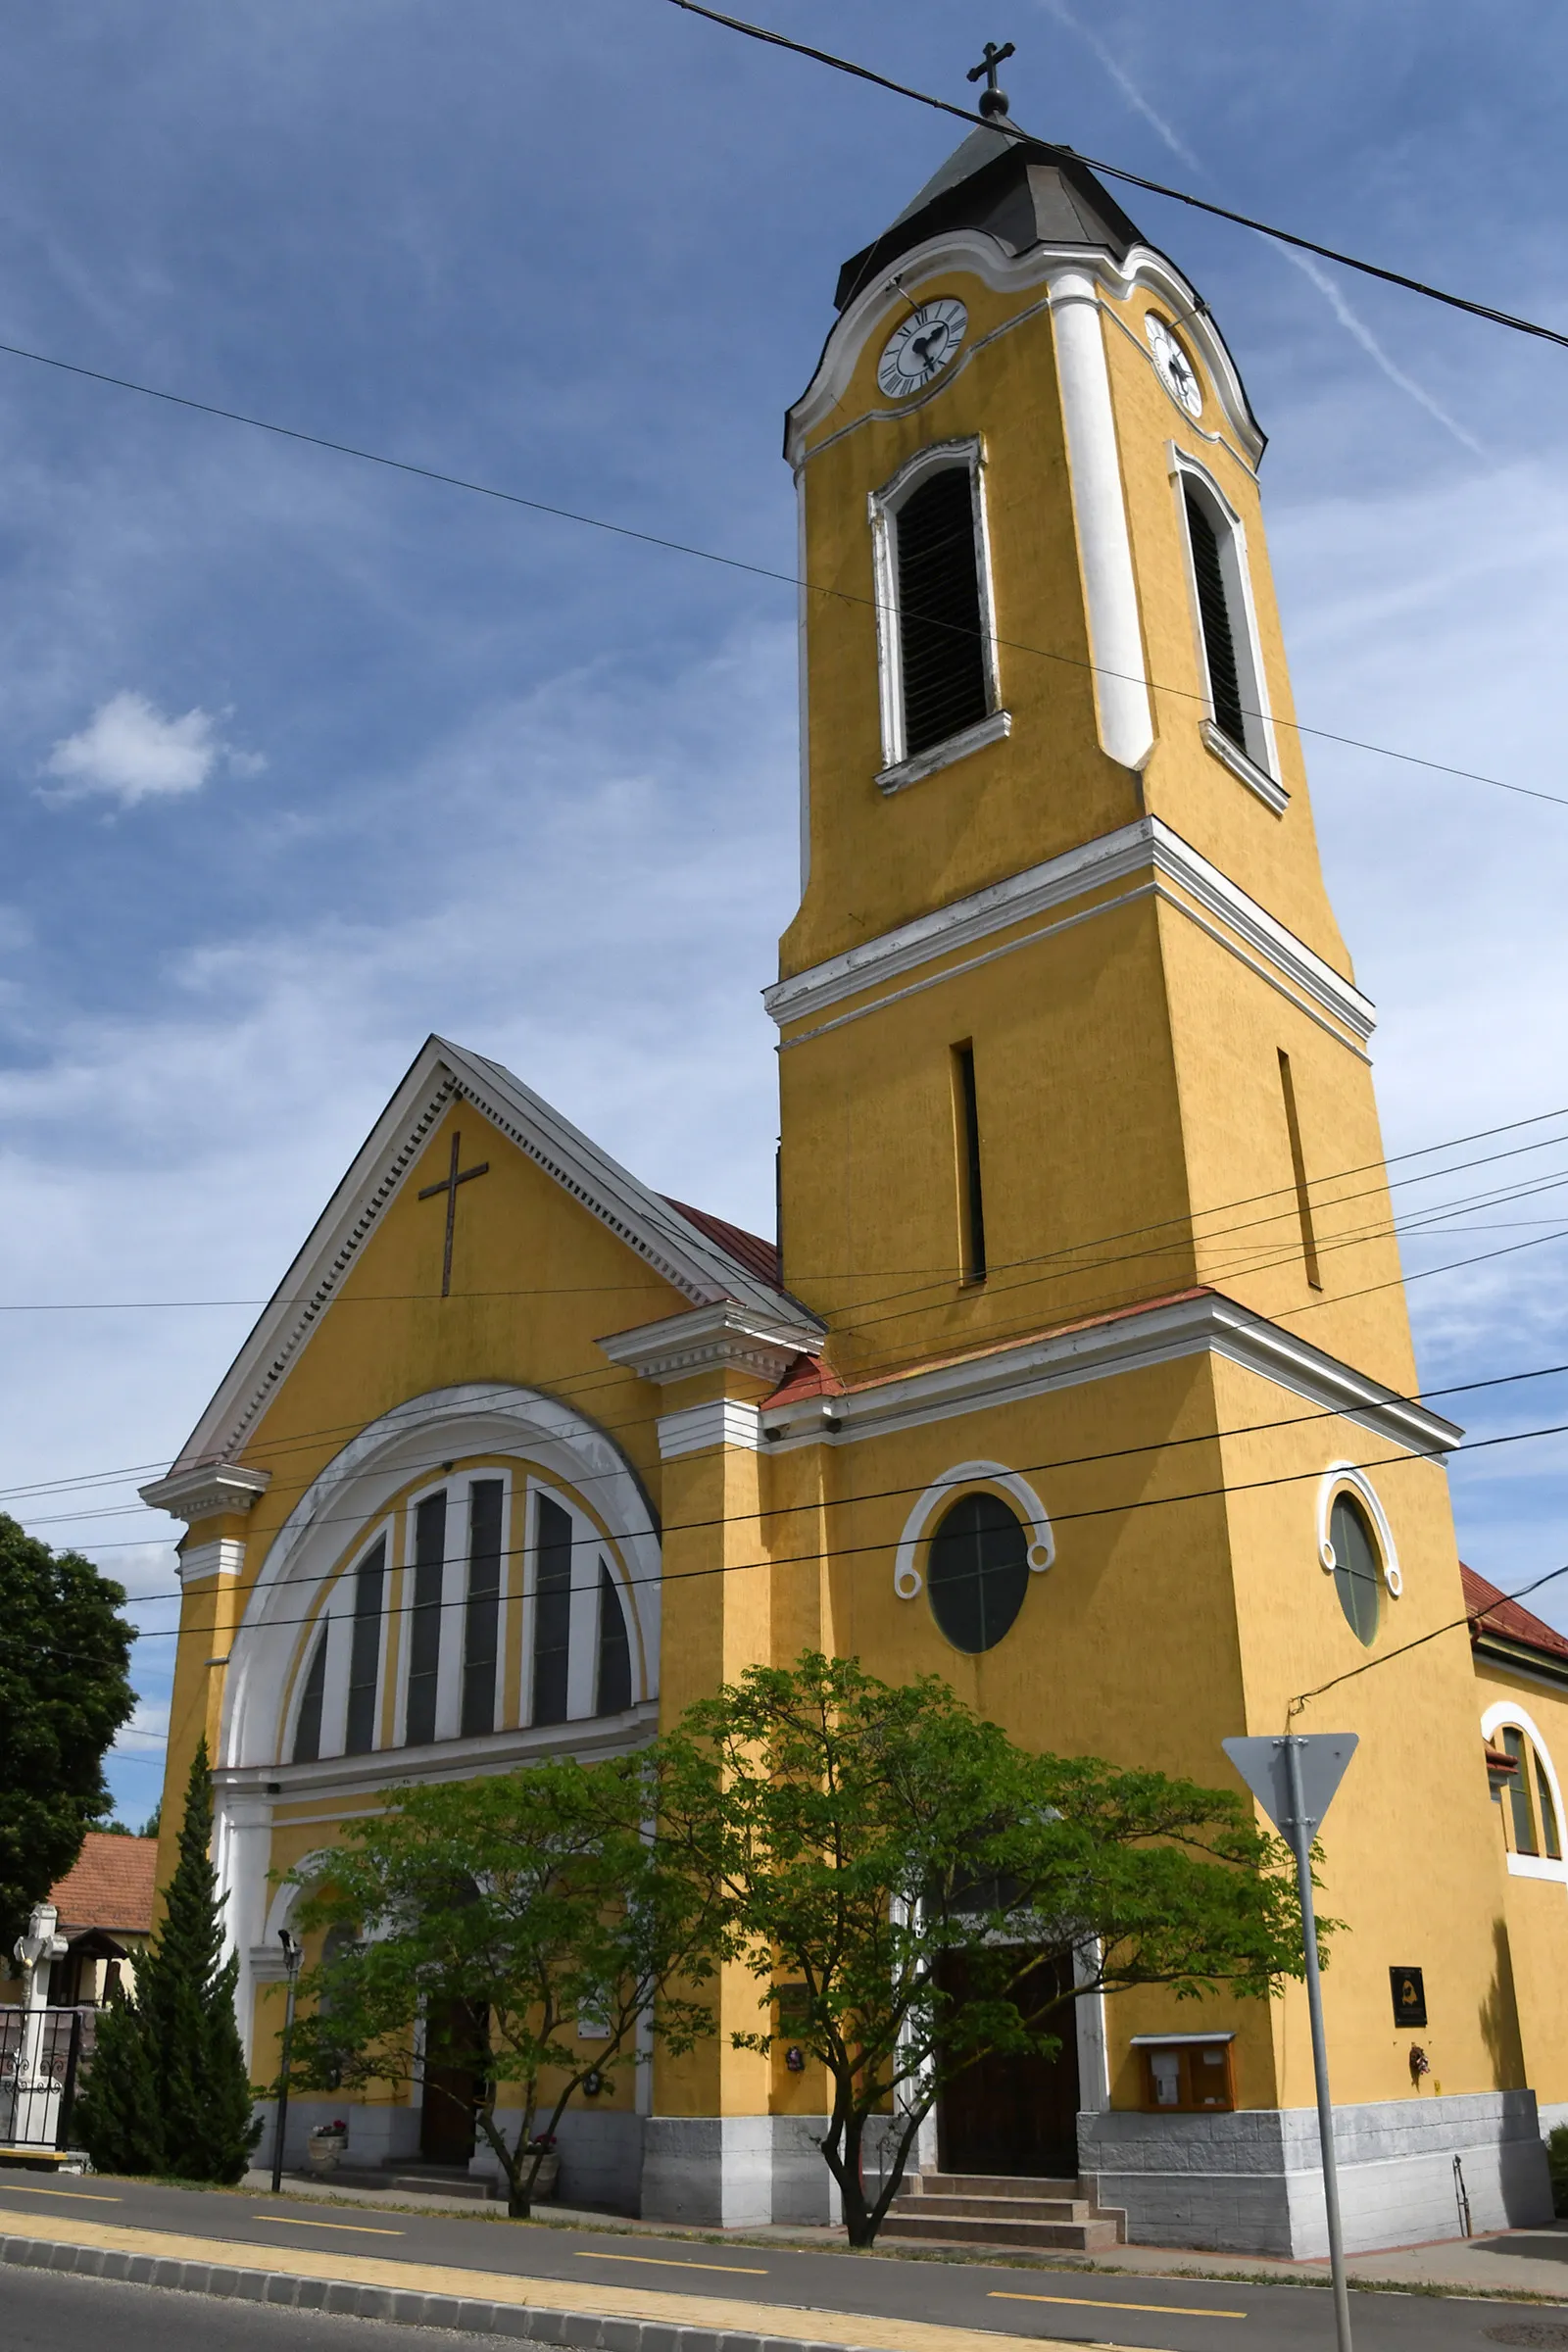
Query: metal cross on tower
x=448 y=1185
x=991 y=100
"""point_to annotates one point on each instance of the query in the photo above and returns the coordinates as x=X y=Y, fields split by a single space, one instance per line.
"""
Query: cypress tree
x=116 y=2116
x=181 y=2036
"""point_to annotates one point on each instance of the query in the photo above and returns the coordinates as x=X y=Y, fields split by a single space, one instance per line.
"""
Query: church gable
x=471 y=1171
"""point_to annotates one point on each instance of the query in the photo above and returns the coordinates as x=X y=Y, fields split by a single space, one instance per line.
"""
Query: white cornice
x=1205 y=1324
x=976 y=251
x=443 y=1073
x=715 y=1338
x=205 y=1490
x=1148 y=843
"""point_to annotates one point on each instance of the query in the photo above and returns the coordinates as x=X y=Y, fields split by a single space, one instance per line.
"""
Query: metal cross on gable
x=448 y=1185
x=991 y=100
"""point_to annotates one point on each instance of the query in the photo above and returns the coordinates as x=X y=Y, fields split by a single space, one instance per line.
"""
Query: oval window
x=1357 y=1568
x=978 y=1570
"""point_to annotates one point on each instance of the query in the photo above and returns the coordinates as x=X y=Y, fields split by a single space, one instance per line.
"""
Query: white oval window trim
x=1345 y=1478
x=906 y=1576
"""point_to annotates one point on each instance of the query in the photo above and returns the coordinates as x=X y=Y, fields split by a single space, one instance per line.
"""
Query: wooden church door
x=1015 y=2117
x=446 y=2124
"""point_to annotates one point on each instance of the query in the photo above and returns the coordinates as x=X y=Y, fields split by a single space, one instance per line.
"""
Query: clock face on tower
x=922 y=346
x=1174 y=368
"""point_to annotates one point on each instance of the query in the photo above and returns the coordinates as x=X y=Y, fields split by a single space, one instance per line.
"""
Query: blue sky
x=300 y=759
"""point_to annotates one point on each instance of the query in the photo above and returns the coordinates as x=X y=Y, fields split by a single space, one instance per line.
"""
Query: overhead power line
x=1133 y=180
x=706 y=555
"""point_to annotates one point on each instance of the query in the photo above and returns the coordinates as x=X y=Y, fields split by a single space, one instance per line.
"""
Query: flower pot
x=548 y=2174
x=324 y=2152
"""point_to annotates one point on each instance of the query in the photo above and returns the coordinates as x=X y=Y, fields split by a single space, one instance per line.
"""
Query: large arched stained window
x=977 y=1571
x=1357 y=1566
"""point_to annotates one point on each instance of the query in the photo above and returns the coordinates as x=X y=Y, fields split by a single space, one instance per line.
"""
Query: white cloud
x=130 y=750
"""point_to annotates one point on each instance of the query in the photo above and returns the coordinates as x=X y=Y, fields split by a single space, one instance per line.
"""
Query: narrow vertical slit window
x=552 y=1611
x=308 y=1723
x=613 y=1691
x=971 y=1202
x=482 y=1620
x=424 y=1617
x=1303 y=1197
x=1218 y=620
x=365 y=1652
x=942 y=649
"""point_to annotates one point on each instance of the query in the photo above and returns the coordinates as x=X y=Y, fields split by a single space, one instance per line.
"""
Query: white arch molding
x=1342 y=1478
x=907 y=1578
x=357 y=1487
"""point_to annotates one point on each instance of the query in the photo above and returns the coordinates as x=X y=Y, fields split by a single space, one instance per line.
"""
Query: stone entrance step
x=993 y=2210
x=410 y=2175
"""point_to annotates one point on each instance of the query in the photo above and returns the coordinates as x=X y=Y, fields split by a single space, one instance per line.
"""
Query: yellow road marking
x=18 y=2188
x=710 y=2309
x=671 y=2262
x=1180 y=2311
x=298 y=2221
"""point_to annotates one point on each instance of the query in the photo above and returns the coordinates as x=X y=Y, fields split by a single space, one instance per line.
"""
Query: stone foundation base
x=1252 y=2182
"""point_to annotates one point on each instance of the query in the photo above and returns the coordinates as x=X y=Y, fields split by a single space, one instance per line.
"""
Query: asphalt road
x=52 y=2313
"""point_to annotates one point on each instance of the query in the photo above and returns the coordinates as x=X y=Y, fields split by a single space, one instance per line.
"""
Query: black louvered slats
x=1219 y=642
x=940 y=638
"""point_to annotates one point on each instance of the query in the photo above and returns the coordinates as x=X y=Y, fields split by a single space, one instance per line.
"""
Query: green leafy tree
x=492 y=1918
x=852 y=1833
x=181 y=2033
x=65 y=1691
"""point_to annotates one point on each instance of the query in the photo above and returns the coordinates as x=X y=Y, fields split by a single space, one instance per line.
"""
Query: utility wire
x=1134 y=180
x=708 y=555
x=884 y=1545
x=1475 y=1619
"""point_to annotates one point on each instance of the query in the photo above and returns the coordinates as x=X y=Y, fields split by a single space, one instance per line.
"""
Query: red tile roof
x=110 y=1884
x=1491 y=1610
x=759 y=1258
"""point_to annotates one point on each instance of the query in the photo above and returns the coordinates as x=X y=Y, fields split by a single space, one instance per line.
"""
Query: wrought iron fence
x=41 y=2057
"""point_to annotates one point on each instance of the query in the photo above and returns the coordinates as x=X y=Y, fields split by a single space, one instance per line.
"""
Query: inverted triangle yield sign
x=1322 y=1758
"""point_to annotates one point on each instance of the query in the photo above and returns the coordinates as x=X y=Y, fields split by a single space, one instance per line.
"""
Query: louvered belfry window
x=1219 y=635
x=941 y=636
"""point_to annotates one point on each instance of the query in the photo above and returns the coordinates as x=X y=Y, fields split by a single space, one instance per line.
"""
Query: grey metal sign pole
x=1294 y=1779
x=293 y=1953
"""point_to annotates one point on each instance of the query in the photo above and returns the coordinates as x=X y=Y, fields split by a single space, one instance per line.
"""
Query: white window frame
x=455 y=1484
x=899 y=768
x=1507 y=1715
x=1259 y=765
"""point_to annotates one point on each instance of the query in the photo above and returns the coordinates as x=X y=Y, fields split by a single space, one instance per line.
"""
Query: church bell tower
x=1067 y=1022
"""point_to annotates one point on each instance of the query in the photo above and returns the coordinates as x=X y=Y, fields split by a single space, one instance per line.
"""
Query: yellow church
x=1080 y=1371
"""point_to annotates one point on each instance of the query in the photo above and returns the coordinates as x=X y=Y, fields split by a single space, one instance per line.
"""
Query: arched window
x=1357 y=1566
x=935 y=631
x=308 y=1723
x=978 y=1570
x=941 y=640
x=613 y=1691
x=365 y=1652
x=1238 y=721
x=1530 y=1813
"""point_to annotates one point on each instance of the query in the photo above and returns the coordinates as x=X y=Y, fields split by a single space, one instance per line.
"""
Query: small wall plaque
x=1408 y=1988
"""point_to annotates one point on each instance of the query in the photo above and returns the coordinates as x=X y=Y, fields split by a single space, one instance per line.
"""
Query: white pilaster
x=1100 y=512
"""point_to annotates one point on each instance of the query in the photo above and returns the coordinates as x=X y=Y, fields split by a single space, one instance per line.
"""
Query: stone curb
x=525 y=2323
